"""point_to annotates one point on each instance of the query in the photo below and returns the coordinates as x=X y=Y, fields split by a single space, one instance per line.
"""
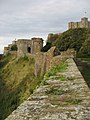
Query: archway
x=29 y=50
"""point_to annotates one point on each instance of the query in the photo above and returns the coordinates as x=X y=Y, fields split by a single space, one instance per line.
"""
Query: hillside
x=17 y=82
x=79 y=39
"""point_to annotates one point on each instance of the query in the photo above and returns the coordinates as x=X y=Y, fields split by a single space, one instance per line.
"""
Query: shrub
x=14 y=48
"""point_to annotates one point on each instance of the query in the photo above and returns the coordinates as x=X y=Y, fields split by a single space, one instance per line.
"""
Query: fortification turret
x=37 y=44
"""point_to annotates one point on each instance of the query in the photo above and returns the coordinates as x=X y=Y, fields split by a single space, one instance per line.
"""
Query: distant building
x=25 y=46
x=84 y=23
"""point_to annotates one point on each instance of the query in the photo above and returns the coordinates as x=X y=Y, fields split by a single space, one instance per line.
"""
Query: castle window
x=29 y=50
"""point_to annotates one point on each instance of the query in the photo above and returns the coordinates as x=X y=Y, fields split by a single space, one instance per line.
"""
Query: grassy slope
x=73 y=38
x=17 y=82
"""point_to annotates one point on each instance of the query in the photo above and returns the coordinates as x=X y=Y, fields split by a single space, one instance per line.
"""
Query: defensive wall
x=44 y=61
x=69 y=100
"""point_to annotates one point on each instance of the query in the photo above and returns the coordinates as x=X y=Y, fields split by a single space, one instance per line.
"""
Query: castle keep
x=84 y=23
x=25 y=46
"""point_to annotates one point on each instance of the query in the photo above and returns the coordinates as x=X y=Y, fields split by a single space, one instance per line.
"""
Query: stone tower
x=29 y=46
x=37 y=44
x=84 y=23
x=24 y=47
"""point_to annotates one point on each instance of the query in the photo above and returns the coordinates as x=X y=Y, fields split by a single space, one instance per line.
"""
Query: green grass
x=58 y=68
x=62 y=78
x=85 y=59
x=73 y=101
x=17 y=82
x=54 y=91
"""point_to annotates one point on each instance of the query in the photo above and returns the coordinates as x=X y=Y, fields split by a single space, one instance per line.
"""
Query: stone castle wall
x=25 y=46
x=72 y=101
x=45 y=61
x=84 y=23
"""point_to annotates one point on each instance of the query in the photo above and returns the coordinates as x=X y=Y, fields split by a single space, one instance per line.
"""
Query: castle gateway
x=25 y=46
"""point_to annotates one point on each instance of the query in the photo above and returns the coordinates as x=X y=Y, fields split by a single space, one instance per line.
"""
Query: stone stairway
x=65 y=99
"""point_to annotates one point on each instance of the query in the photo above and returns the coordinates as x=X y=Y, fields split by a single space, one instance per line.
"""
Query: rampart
x=69 y=100
x=44 y=61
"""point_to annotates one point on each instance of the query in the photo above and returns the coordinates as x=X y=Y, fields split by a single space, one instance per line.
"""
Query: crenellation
x=84 y=23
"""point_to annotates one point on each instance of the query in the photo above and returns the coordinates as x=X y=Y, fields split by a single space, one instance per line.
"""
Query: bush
x=14 y=48
x=73 y=38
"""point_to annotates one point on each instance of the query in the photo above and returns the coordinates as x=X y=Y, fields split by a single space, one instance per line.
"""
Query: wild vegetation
x=53 y=71
x=58 y=68
x=14 y=48
x=79 y=39
x=17 y=82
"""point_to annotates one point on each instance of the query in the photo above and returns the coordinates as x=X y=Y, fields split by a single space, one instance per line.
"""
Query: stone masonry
x=45 y=61
x=25 y=46
x=72 y=104
x=84 y=23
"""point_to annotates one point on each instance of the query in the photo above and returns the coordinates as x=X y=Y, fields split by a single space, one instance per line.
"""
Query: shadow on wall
x=84 y=68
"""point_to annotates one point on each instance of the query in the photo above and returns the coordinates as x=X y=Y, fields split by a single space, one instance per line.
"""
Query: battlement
x=23 y=41
x=84 y=23
x=37 y=39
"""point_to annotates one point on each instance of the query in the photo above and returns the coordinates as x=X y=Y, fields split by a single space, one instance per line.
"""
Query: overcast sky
x=38 y=18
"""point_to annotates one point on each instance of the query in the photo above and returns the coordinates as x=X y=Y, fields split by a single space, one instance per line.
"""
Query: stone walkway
x=60 y=99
